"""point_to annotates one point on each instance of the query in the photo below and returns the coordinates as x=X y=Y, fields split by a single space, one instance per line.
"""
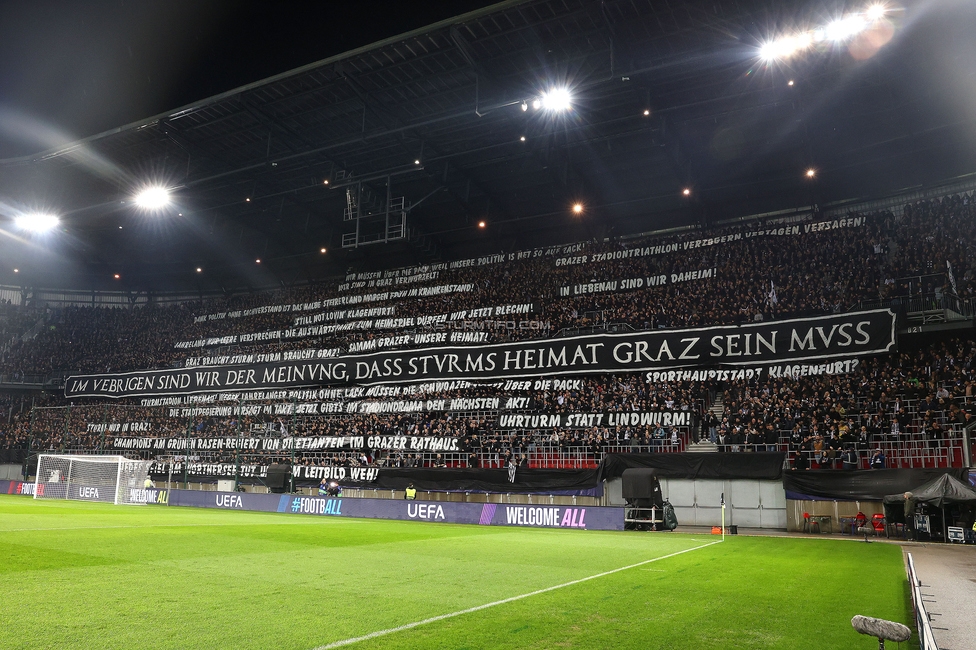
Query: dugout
x=940 y=503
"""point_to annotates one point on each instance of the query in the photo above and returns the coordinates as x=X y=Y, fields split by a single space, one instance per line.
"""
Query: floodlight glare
x=844 y=28
x=577 y=208
x=811 y=172
x=153 y=198
x=36 y=222
x=785 y=47
x=876 y=12
x=557 y=99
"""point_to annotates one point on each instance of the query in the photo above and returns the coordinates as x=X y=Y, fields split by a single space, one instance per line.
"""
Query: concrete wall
x=749 y=503
x=10 y=473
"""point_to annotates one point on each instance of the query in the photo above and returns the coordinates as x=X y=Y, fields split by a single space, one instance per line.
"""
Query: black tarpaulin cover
x=943 y=491
x=536 y=481
x=640 y=483
x=868 y=484
x=765 y=466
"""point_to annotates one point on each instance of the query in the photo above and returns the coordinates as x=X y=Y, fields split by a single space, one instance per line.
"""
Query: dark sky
x=73 y=68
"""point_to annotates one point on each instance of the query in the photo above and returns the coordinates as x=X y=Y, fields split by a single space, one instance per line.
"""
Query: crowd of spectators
x=928 y=247
x=922 y=397
x=754 y=278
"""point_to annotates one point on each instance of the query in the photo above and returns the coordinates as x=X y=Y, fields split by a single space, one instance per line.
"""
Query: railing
x=596 y=328
x=931 y=307
x=926 y=638
x=36 y=328
x=18 y=379
x=537 y=456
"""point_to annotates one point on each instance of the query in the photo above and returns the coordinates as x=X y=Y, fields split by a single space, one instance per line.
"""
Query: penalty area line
x=478 y=608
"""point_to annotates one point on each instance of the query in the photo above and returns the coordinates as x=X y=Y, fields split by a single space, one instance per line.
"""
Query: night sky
x=73 y=68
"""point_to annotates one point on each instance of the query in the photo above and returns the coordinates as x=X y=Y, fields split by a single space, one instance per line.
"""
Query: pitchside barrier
x=485 y=514
x=926 y=637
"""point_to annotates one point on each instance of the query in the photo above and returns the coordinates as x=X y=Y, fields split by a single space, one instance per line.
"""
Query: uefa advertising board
x=485 y=514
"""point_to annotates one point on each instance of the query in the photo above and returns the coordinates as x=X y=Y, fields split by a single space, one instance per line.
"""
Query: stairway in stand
x=706 y=446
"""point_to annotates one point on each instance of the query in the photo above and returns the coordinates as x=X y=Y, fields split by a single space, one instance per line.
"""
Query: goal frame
x=107 y=460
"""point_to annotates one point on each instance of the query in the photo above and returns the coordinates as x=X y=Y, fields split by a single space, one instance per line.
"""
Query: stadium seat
x=879 y=524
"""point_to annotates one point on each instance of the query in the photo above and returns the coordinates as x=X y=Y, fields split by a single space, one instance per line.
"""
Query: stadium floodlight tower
x=110 y=479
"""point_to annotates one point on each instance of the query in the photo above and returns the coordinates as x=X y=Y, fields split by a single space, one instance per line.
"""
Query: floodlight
x=536 y=104
x=646 y=112
x=481 y=224
x=525 y=106
x=811 y=172
x=36 y=222
x=322 y=250
x=116 y=276
x=556 y=100
x=785 y=47
x=876 y=12
x=257 y=261
x=844 y=28
x=153 y=198
x=199 y=270
x=686 y=192
x=789 y=83
x=577 y=208
x=16 y=270
x=522 y=138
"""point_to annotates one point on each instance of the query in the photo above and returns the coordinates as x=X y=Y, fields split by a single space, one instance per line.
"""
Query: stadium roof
x=666 y=96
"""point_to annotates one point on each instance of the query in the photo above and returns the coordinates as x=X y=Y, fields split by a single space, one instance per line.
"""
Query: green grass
x=82 y=575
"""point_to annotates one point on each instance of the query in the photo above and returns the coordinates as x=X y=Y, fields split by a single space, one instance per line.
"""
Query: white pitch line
x=478 y=608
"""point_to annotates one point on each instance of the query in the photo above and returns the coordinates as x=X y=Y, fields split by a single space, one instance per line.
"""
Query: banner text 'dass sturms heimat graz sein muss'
x=803 y=339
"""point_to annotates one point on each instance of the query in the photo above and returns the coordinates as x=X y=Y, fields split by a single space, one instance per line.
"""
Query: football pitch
x=91 y=575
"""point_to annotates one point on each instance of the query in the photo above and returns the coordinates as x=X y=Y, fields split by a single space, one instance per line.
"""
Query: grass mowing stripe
x=478 y=608
x=266 y=523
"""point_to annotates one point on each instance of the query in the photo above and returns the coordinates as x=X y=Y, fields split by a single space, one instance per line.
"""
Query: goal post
x=110 y=479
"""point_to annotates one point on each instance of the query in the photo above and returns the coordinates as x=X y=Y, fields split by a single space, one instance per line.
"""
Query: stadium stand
x=912 y=405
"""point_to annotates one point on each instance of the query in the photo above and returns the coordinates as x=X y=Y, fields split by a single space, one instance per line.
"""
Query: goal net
x=112 y=479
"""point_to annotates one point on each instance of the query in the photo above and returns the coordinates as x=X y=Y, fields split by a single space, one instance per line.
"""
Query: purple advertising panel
x=81 y=492
x=485 y=514
x=16 y=487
